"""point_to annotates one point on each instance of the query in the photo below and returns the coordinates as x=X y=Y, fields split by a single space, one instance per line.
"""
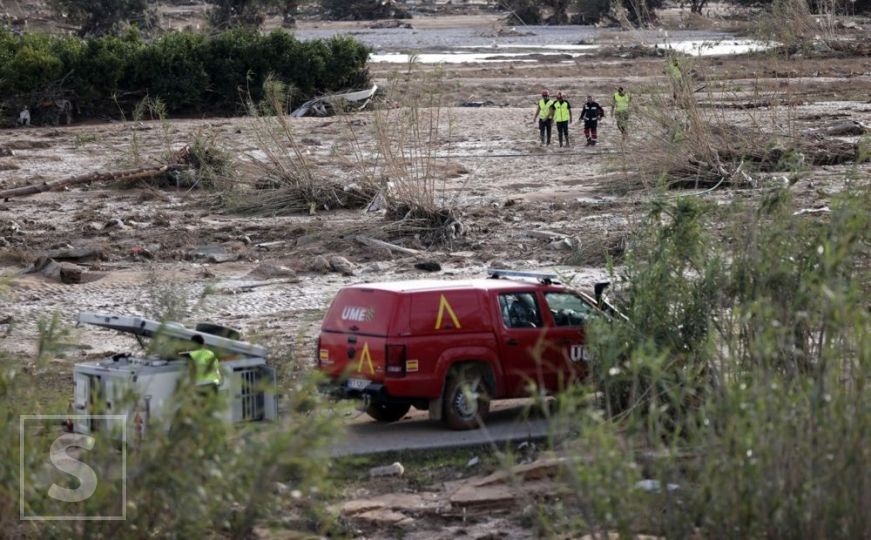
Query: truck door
x=522 y=340
x=566 y=353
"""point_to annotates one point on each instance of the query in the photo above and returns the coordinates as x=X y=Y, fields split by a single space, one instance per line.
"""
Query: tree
x=98 y=17
x=364 y=9
x=235 y=13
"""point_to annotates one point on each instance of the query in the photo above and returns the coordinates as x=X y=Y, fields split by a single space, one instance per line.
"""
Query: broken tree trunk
x=119 y=176
x=373 y=243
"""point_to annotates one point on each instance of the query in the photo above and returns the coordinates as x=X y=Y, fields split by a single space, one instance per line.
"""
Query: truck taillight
x=394 y=360
x=318 y=349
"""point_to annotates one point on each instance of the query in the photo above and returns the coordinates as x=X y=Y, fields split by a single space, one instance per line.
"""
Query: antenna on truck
x=543 y=277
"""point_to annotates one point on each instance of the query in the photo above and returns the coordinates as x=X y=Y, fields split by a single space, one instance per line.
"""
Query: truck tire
x=388 y=412
x=467 y=399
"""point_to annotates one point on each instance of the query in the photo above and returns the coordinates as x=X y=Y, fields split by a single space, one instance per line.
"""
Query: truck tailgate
x=357 y=357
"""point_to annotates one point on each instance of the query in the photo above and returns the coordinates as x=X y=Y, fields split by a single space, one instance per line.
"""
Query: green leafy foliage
x=736 y=387
x=364 y=9
x=234 y=13
x=188 y=72
x=99 y=17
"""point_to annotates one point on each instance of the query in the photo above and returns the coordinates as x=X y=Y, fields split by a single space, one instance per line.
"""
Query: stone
x=341 y=265
x=320 y=265
x=394 y=469
x=272 y=271
x=428 y=266
x=546 y=235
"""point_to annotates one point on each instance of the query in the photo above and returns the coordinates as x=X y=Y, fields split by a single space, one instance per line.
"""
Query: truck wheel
x=388 y=412
x=467 y=400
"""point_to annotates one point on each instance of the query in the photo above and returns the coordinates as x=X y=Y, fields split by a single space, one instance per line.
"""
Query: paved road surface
x=506 y=423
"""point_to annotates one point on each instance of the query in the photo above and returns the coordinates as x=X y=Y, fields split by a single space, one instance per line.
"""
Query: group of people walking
x=549 y=111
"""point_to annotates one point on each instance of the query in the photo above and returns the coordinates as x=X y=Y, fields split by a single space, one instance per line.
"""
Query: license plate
x=358 y=384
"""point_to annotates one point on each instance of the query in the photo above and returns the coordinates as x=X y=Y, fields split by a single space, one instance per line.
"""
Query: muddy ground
x=522 y=206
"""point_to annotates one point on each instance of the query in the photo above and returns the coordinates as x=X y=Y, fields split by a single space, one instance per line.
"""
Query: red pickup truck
x=450 y=347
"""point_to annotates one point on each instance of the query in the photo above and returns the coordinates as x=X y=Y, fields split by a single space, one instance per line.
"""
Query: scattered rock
x=71 y=273
x=550 y=236
x=77 y=253
x=848 y=128
x=382 y=516
x=282 y=489
x=428 y=266
x=654 y=486
x=377 y=268
x=64 y=272
x=562 y=245
x=394 y=469
x=114 y=223
x=214 y=254
x=472 y=462
x=271 y=271
x=342 y=265
x=320 y=265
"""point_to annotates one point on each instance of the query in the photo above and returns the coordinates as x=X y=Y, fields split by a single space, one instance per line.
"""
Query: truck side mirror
x=599 y=292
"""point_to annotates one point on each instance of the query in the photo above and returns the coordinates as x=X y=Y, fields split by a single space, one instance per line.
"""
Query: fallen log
x=373 y=243
x=119 y=176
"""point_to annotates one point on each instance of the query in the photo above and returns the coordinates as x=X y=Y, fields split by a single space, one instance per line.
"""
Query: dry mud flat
x=522 y=206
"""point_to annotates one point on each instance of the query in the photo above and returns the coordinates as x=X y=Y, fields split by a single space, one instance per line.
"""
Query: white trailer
x=142 y=387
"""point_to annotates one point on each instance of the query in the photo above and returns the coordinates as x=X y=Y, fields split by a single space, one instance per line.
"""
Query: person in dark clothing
x=562 y=115
x=544 y=114
x=591 y=114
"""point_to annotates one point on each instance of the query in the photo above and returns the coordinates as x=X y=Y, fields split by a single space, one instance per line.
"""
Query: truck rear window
x=361 y=311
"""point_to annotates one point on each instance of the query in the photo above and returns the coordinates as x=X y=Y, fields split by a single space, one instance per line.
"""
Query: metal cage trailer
x=143 y=387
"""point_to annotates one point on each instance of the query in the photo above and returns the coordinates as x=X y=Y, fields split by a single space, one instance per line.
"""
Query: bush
x=98 y=17
x=189 y=72
x=737 y=383
x=234 y=13
x=363 y=9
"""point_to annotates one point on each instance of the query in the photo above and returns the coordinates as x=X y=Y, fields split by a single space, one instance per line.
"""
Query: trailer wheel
x=388 y=412
x=467 y=399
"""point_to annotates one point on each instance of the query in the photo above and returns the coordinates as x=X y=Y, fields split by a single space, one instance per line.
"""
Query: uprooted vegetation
x=686 y=142
x=396 y=170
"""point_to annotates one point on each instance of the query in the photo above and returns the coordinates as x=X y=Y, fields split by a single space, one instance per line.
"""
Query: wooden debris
x=175 y=163
x=380 y=244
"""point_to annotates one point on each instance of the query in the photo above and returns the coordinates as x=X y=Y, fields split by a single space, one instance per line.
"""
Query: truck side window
x=519 y=310
x=568 y=309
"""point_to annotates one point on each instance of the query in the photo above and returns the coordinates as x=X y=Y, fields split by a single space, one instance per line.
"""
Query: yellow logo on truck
x=368 y=358
x=444 y=305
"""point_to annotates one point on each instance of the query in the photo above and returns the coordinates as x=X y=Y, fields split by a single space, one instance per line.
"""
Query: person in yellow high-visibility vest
x=207 y=368
x=544 y=114
x=620 y=110
x=562 y=115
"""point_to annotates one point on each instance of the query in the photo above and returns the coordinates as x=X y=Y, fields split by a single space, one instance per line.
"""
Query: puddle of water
x=717 y=48
x=531 y=53
x=459 y=58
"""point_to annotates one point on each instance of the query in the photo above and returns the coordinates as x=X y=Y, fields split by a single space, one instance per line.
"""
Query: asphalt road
x=507 y=422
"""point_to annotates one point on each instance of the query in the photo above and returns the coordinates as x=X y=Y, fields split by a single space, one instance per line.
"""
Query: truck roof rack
x=148 y=328
x=544 y=277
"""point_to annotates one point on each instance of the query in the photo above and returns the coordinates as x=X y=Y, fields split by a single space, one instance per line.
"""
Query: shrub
x=737 y=384
x=233 y=13
x=364 y=9
x=189 y=72
x=98 y=17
